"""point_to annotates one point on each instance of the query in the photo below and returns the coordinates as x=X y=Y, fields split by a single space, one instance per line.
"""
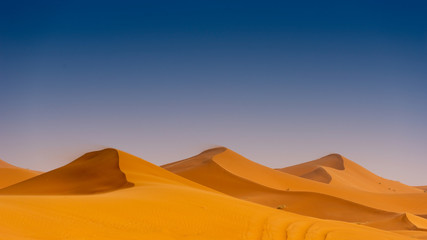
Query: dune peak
x=316 y=169
x=215 y=150
x=333 y=160
x=197 y=160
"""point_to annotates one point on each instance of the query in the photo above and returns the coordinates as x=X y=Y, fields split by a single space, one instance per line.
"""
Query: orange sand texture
x=218 y=194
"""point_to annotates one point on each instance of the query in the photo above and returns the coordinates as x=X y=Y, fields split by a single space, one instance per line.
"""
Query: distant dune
x=11 y=174
x=110 y=194
x=338 y=170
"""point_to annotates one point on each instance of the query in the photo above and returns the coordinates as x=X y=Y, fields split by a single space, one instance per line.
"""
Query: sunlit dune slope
x=199 y=169
x=10 y=174
x=159 y=205
x=91 y=173
x=338 y=170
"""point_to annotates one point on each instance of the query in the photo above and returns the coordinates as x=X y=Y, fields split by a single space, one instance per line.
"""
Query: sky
x=280 y=82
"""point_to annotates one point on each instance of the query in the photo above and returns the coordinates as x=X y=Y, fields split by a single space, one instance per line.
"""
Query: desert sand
x=110 y=194
x=338 y=170
x=331 y=187
x=11 y=174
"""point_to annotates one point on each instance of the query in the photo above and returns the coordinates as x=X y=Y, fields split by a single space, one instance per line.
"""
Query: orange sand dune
x=11 y=174
x=338 y=170
x=204 y=171
x=199 y=169
x=424 y=188
x=82 y=176
x=159 y=205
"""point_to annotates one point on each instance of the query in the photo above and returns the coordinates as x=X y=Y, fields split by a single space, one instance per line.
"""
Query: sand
x=82 y=176
x=11 y=174
x=331 y=187
x=340 y=171
x=404 y=221
x=110 y=194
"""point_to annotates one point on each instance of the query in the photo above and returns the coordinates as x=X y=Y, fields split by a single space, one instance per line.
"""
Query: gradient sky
x=276 y=81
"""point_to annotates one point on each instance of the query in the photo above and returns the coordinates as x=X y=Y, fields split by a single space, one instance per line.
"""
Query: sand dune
x=424 y=188
x=158 y=205
x=203 y=170
x=91 y=173
x=11 y=174
x=338 y=170
x=239 y=166
x=319 y=192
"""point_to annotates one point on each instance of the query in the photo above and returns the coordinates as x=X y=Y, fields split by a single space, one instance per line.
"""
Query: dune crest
x=94 y=172
x=334 y=160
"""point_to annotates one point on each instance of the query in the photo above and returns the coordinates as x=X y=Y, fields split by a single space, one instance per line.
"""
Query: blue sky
x=280 y=82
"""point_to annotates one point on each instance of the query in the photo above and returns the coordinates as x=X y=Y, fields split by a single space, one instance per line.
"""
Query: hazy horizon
x=279 y=82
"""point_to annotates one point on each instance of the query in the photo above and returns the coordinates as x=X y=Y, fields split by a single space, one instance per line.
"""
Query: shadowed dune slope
x=91 y=173
x=140 y=172
x=160 y=205
x=319 y=174
x=404 y=221
x=11 y=174
x=338 y=170
x=424 y=188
